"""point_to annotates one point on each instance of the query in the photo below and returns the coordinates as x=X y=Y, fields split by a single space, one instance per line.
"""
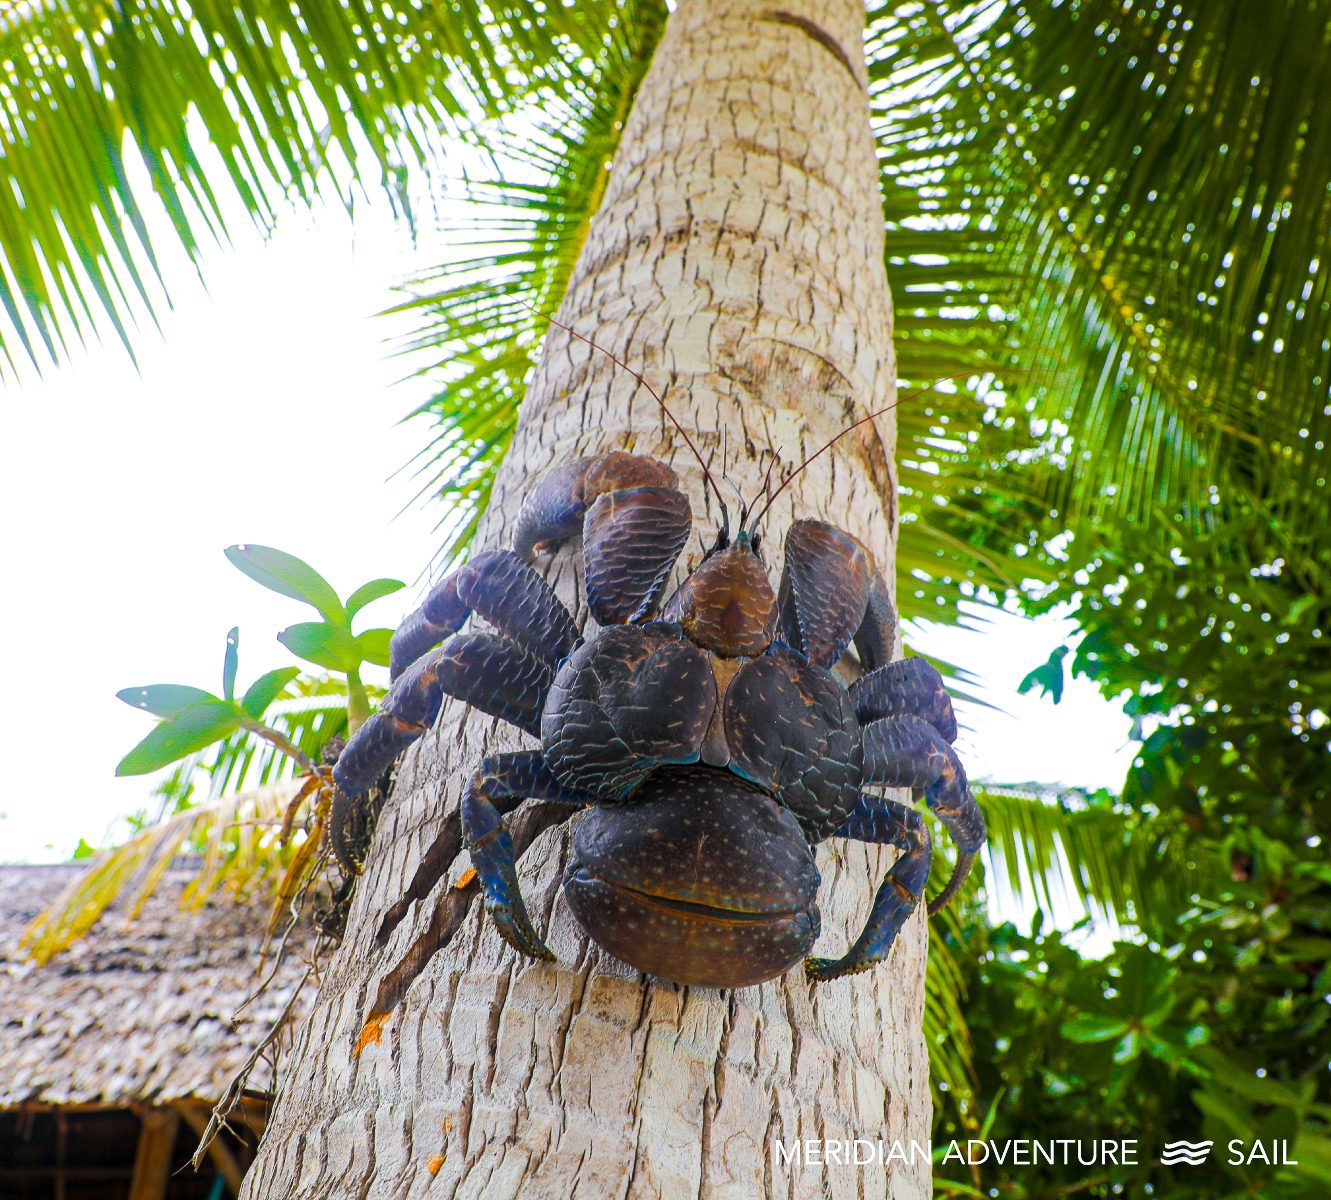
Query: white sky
x=266 y=412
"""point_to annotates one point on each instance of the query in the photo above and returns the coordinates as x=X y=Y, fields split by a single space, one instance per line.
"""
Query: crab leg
x=492 y=673
x=634 y=521
x=911 y=687
x=499 y=786
x=881 y=821
x=506 y=592
x=906 y=751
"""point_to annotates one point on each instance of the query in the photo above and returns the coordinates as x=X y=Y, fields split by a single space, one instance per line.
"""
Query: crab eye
x=756 y=541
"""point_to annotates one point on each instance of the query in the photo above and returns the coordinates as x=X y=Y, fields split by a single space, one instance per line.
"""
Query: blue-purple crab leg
x=507 y=676
x=911 y=687
x=634 y=522
x=882 y=822
x=499 y=786
x=906 y=751
x=491 y=673
x=831 y=594
x=503 y=589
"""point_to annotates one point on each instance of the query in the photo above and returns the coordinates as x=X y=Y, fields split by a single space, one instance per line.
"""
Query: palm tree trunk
x=737 y=260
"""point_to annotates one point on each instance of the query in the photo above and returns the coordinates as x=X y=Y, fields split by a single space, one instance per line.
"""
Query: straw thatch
x=139 y=1010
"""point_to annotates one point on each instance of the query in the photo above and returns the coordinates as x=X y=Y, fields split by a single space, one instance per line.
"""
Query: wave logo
x=1192 y=1153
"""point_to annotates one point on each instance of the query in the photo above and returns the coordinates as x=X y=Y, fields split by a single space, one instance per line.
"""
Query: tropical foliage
x=111 y=115
x=256 y=827
x=1210 y=1018
x=1108 y=227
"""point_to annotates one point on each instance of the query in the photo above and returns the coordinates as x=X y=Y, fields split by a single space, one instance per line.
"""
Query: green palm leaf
x=1142 y=202
x=477 y=322
x=115 y=117
x=1079 y=854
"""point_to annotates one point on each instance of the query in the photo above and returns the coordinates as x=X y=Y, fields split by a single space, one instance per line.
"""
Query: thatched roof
x=138 y=1010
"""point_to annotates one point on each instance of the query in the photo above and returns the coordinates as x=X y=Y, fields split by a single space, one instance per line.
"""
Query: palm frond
x=476 y=318
x=1074 y=854
x=946 y=1033
x=120 y=121
x=1141 y=201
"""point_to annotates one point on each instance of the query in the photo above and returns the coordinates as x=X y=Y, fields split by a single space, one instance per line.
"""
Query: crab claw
x=633 y=519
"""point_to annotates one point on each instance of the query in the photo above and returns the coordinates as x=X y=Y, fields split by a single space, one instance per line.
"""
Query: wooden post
x=61 y=1153
x=152 y=1162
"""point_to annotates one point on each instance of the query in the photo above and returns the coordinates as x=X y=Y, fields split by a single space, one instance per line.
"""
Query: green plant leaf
x=329 y=646
x=188 y=731
x=310 y=711
x=1048 y=676
x=1093 y=1027
x=373 y=644
x=287 y=575
x=264 y=690
x=165 y=699
x=368 y=593
x=230 y=661
x=1235 y=1117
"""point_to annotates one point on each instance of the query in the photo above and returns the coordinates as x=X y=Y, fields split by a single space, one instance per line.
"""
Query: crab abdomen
x=702 y=878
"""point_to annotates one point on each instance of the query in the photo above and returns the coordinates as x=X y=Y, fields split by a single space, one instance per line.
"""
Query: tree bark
x=737 y=261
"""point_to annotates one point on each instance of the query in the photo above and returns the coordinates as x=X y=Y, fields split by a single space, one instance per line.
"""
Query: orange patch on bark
x=372 y=1032
x=464 y=880
x=435 y=1163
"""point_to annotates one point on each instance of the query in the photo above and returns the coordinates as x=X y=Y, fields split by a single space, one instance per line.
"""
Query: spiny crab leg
x=886 y=823
x=499 y=786
x=906 y=751
x=502 y=589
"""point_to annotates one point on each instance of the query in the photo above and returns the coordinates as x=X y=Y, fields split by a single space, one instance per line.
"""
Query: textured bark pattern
x=737 y=261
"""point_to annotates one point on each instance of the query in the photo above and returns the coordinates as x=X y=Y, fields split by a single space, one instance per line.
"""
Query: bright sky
x=266 y=412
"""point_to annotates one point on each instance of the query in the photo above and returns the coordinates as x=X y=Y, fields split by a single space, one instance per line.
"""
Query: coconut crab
x=706 y=741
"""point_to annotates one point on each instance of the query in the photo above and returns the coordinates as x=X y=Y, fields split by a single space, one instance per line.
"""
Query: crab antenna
x=855 y=425
x=725 y=478
x=651 y=391
x=725 y=512
x=767 y=475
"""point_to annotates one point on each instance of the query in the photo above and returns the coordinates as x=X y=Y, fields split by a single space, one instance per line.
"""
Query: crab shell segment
x=700 y=878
